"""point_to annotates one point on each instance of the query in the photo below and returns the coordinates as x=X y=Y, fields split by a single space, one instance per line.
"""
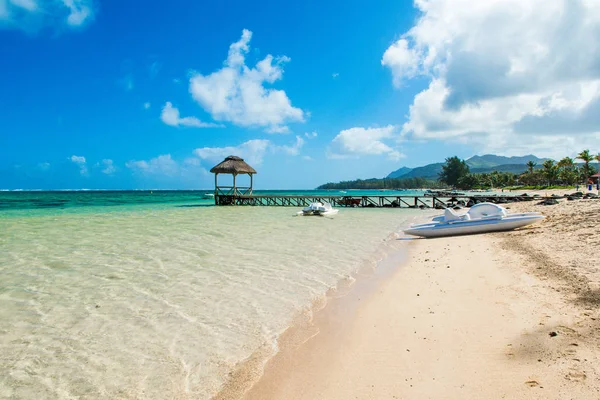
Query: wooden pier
x=236 y=195
x=383 y=201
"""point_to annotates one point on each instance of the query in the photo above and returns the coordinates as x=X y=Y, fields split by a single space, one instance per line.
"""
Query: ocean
x=160 y=294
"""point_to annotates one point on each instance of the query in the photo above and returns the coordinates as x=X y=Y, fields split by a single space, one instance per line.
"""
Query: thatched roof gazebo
x=235 y=166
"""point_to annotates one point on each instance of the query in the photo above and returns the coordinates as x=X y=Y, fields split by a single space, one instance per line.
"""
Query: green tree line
x=386 y=183
x=566 y=172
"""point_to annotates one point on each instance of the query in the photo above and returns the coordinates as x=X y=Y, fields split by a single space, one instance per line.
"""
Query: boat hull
x=440 y=229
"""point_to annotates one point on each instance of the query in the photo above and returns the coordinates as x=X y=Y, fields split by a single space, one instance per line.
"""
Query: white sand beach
x=507 y=315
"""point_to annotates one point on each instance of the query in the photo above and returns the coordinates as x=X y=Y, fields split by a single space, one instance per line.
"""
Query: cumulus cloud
x=170 y=116
x=252 y=151
x=311 y=135
x=164 y=171
x=108 y=167
x=147 y=105
x=236 y=92
x=500 y=69
x=358 y=141
x=33 y=15
x=161 y=165
x=292 y=150
x=81 y=163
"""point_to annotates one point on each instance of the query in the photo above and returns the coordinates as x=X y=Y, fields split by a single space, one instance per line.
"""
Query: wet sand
x=510 y=315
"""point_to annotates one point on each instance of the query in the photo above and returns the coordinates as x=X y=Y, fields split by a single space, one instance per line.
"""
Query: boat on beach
x=481 y=218
x=319 y=209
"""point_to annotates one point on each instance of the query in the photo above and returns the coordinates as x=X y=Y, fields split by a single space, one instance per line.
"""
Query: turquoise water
x=27 y=200
x=150 y=295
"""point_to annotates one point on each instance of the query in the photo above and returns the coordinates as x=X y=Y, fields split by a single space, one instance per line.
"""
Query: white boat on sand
x=320 y=209
x=481 y=218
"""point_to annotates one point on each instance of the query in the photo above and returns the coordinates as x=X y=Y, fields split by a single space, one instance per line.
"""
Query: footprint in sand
x=576 y=376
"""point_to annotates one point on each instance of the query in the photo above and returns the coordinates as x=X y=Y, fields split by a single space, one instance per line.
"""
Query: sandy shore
x=500 y=316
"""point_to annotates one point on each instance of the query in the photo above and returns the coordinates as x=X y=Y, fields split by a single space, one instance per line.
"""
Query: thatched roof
x=233 y=165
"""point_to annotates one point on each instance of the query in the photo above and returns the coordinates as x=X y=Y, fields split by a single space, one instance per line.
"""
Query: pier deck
x=382 y=201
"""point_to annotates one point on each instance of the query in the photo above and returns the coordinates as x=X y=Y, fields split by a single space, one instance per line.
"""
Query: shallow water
x=155 y=300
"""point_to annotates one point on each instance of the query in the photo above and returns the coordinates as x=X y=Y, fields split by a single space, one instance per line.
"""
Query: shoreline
x=330 y=313
x=464 y=317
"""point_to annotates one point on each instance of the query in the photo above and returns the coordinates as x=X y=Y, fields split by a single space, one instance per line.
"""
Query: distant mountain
x=428 y=171
x=399 y=172
x=477 y=164
x=490 y=160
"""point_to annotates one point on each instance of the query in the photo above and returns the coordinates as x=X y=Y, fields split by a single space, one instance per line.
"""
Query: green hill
x=477 y=164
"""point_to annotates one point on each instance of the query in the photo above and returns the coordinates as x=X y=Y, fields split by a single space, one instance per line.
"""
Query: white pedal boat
x=320 y=209
x=481 y=218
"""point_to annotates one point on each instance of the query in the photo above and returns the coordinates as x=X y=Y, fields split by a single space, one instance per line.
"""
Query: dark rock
x=548 y=202
x=553 y=334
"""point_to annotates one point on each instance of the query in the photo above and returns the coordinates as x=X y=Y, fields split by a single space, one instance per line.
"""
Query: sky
x=151 y=95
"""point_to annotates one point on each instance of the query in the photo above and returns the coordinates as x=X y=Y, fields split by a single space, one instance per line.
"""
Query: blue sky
x=120 y=95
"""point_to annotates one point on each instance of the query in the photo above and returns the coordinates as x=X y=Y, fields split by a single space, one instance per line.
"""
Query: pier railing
x=389 y=201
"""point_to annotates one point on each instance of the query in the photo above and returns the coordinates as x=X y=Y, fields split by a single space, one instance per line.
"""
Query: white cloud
x=500 y=69
x=335 y=75
x=170 y=116
x=311 y=135
x=29 y=5
x=161 y=165
x=165 y=168
x=109 y=167
x=236 y=92
x=81 y=10
x=44 y=166
x=402 y=60
x=147 y=105
x=80 y=161
x=253 y=151
x=359 y=141
x=33 y=15
x=292 y=150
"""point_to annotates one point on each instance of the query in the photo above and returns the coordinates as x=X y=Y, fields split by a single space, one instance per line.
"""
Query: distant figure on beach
x=577 y=188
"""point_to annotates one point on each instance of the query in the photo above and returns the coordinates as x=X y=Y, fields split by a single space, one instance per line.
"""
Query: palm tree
x=550 y=170
x=530 y=166
x=586 y=157
x=567 y=171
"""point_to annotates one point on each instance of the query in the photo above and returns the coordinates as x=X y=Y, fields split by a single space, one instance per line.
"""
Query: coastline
x=488 y=316
x=329 y=315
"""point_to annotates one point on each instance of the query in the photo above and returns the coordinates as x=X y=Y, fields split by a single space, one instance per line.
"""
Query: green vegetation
x=453 y=171
x=531 y=173
x=386 y=183
x=551 y=175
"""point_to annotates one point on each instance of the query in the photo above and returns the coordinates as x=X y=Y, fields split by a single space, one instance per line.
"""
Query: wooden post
x=216 y=185
x=250 y=184
x=234 y=188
